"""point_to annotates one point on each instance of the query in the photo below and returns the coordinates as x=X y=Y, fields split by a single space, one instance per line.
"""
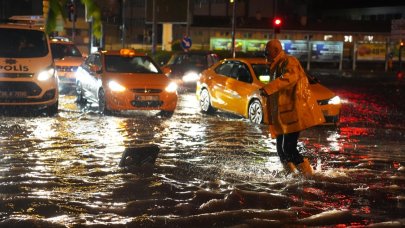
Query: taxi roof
x=253 y=60
x=119 y=52
x=60 y=39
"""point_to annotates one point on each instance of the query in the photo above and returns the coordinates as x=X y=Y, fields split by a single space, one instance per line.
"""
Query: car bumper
x=331 y=113
x=67 y=79
x=28 y=93
x=190 y=85
x=135 y=101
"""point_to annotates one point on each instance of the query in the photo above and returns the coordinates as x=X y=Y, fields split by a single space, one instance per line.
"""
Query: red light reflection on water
x=361 y=108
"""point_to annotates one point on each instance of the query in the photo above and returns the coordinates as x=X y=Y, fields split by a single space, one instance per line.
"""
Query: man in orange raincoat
x=291 y=106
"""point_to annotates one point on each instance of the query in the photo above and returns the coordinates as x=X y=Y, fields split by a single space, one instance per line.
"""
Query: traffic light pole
x=400 y=58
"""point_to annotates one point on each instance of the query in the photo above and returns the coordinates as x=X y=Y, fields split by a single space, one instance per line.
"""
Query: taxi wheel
x=102 y=106
x=80 y=94
x=255 y=112
x=205 y=102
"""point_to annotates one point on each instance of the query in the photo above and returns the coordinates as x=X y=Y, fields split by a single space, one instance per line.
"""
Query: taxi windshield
x=188 y=59
x=60 y=50
x=22 y=43
x=135 y=64
x=261 y=70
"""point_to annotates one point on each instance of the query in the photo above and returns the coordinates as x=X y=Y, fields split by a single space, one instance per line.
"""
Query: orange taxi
x=67 y=59
x=125 y=80
x=233 y=85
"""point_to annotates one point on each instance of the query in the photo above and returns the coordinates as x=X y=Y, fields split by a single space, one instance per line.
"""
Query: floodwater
x=212 y=170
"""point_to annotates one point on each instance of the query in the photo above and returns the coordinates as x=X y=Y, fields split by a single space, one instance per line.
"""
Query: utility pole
x=233 y=27
x=188 y=19
x=153 y=27
x=123 y=33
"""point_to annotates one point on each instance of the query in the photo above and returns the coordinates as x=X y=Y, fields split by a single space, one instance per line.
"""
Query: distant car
x=67 y=59
x=125 y=80
x=232 y=85
x=185 y=67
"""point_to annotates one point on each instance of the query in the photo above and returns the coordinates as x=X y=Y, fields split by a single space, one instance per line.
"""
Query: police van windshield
x=22 y=43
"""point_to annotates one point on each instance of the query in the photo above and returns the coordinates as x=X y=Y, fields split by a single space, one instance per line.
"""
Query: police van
x=27 y=73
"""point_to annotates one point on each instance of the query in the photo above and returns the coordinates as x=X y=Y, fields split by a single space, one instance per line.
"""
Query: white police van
x=27 y=73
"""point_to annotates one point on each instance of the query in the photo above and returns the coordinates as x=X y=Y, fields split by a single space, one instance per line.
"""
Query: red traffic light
x=277 y=24
x=277 y=21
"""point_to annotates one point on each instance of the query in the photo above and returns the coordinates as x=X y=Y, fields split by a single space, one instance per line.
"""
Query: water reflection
x=212 y=170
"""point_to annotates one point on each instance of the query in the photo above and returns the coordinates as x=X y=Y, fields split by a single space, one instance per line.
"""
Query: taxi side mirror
x=96 y=69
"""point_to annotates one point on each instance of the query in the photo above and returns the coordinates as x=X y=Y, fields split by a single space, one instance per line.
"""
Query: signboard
x=255 y=45
x=297 y=48
x=326 y=51
x=398 y=29
x=186 y=43
x=221 y=44
x=321 y=51
x=371 y=51
x=167 y=11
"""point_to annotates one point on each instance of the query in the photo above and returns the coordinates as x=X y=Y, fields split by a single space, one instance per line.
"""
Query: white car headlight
x=171 y=88
x=115 y=86
x=190 y=76
x=46 y=74
x=335 y=100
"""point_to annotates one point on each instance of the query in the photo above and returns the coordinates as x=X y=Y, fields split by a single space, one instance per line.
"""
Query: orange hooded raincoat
x=291 y=106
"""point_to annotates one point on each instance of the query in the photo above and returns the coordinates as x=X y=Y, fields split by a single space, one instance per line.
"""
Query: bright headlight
x=171 y=88
x=335 y=100
x=190 y=76
x=115 y=86
x=46 y=74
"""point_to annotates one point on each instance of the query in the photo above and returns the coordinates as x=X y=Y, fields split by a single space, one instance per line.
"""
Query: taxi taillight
x=127 y=52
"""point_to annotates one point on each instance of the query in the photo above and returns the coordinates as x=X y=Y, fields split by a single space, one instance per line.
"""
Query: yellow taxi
x=119 y=80
x=67 y=59
x=232 y=85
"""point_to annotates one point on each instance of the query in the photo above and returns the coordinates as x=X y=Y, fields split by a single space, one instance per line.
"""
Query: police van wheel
x=52 y=110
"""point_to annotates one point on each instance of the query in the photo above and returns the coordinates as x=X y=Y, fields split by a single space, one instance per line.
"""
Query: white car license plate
x=147 y=98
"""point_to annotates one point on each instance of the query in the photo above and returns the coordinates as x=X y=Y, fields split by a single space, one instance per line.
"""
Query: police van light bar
x=31 y=20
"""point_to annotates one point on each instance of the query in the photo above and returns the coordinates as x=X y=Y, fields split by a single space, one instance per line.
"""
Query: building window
x=348 y=39
x=327 y=37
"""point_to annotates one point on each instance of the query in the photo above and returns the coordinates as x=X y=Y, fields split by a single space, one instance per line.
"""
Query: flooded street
x=212 y=170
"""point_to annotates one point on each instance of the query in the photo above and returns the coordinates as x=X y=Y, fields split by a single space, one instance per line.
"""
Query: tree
x=57 y=7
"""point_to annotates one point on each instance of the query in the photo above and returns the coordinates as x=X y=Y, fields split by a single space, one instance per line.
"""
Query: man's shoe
x=290 y=167
x=305 y=168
